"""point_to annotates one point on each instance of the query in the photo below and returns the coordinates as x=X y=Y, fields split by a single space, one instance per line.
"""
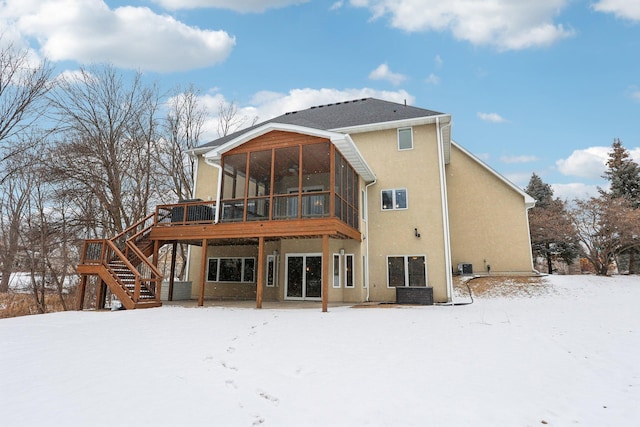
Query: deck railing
x=186 y=213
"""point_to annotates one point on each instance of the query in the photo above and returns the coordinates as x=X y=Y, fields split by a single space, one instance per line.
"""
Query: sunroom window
x=290 y=182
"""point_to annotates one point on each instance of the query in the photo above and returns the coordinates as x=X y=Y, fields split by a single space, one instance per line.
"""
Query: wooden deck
x=304 y=228
x=137 y=283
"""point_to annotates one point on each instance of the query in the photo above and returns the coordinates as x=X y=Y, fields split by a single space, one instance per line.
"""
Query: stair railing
x=146 y=273
x=145 y=223
x=122 y=247
x=113 y=252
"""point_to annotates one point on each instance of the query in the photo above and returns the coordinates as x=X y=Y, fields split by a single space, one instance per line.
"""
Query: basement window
x=231 y=270
x=348 y=271
x=406 y=270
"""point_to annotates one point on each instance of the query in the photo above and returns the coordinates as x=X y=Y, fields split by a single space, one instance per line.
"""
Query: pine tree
x=542 y=192
x=623 y=174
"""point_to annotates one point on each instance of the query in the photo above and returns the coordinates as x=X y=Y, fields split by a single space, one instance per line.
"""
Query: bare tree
x=14 y=205
x=605 y=227
x=182 y=129
x=108 y=122
x=229 y=119
x=181 y=132
x=23 y=86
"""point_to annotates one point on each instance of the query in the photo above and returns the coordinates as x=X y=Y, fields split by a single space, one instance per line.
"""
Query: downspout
x=366 y=205
x=526 y=215
x=218 y=190
x=193 y=194
x=445 y=214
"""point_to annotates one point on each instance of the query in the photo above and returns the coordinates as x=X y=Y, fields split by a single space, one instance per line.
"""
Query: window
x=348 y=271
x=336 y=271
x=231 y=270
x=407 y=270
x=405 y=139
x=272 y=271
x=394 y=199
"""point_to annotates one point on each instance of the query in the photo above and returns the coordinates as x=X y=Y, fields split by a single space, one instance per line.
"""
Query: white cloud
x=337 y=5
x=587 y=163
x=433 y=79
x=267 y=104
x=438 y=60
x=88 y=31
x=625 y=9
x=383 y=72
x=576 y=190
x=505 y=24
x=519 y=159
x=237 y=5
x=492 y=117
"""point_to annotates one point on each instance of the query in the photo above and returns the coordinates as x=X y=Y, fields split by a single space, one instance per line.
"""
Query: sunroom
x=276 y=184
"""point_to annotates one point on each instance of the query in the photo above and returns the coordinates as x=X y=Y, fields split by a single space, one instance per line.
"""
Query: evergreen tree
x=542 y=192
x=623 y=174
x=553 y=236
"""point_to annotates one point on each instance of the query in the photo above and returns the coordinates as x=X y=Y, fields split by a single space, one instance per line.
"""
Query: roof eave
x=416 y=121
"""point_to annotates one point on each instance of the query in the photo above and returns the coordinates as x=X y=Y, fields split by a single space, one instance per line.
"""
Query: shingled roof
x=339 y=115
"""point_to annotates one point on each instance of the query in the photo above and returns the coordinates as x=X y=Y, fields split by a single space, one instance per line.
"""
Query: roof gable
x=529 y=201
x=343 y=143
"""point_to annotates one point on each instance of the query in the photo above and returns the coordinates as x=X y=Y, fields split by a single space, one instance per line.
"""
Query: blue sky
x=533 y=86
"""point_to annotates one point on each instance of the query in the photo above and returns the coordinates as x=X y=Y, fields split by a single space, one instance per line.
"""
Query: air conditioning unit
x=464 y=268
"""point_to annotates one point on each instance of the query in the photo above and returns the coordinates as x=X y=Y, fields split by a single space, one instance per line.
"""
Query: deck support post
x=101 y=294
x=156 y=252
x=325 y=272
x=203 y=272
x=173 y=271
x=260 y=280
x=82 y=291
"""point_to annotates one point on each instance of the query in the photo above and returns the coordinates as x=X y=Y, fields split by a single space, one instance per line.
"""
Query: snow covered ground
x=567 y=357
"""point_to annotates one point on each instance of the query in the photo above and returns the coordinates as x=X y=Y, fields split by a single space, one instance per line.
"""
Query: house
x=345 y=202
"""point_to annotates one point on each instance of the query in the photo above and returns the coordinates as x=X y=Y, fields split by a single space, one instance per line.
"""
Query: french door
x=304 y=276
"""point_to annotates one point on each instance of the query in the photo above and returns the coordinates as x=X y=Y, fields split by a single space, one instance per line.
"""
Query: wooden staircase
x=122 y=263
